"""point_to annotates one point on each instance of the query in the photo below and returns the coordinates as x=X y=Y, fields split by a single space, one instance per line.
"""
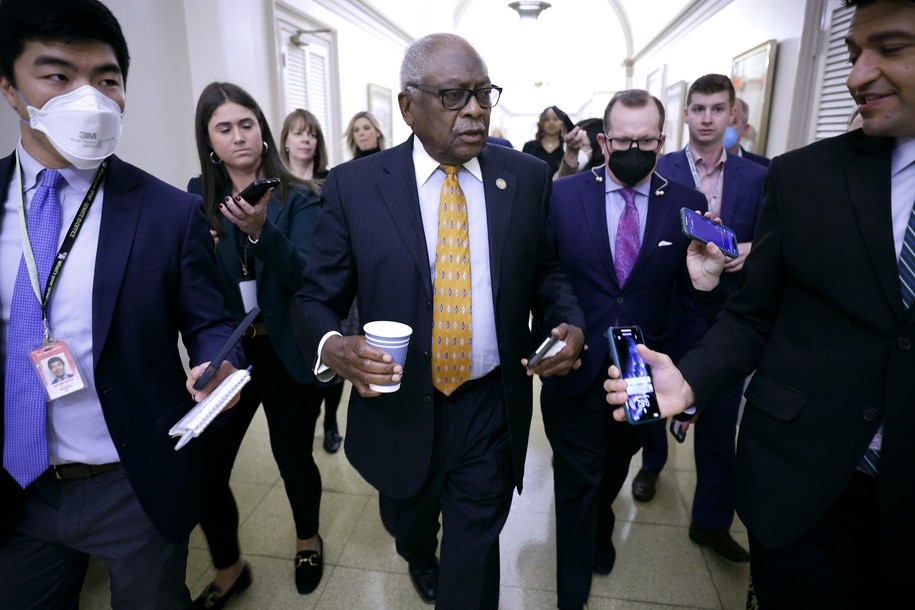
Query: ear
x=406 y=107
x=686 y=112
x=6 y=88
x=604 y=145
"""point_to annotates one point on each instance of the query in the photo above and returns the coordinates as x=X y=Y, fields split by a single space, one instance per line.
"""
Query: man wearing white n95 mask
x=104 y=265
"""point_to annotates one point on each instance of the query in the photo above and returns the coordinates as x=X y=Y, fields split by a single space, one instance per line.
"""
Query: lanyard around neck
x=716 y=194
x=62 y=253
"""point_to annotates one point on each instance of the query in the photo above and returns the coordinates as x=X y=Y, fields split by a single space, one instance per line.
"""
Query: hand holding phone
x=642 y=406
x=566 y=121
x=254 y=191
x=698 y=227
x=550 y=347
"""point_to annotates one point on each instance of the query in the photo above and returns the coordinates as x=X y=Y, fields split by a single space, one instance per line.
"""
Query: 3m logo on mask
x=88 y=135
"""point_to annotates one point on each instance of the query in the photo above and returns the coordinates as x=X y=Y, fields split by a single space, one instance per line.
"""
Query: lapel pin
x=501 y=184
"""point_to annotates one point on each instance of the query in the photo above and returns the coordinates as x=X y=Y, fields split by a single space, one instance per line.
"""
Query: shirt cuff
x=322 y=371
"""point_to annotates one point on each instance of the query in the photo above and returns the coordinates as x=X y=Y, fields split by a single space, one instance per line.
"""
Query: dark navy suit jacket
x=741 y=195
x=761 y=160
x=657 y=295
x=819 y=315
x=155 y=277
x=369 y=240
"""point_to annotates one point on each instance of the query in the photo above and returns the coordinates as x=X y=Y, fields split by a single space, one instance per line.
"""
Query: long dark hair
x=309 y=121
x=213 y=177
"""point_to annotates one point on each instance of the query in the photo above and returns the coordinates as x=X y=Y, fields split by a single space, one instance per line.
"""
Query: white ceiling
x=574 y=50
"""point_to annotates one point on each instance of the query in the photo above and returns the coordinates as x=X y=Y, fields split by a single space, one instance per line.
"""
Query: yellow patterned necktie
x=451 y=329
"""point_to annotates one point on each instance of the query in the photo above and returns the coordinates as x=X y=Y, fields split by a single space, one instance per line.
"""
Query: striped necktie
x=25 y=407
x=451 y=319
x=871 y=459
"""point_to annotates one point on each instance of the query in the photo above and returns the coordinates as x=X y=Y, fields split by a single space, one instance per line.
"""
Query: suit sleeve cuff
x=322 y=371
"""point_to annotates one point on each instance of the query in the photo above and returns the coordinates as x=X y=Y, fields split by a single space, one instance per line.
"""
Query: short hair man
x=733 y=188
x=628 y=267
x=431 y=448
x=824 y=482
x=741 y=127
x=94 y=472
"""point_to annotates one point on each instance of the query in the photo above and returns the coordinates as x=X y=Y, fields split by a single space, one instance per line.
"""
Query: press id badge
x=57 y=370
x=248 y=289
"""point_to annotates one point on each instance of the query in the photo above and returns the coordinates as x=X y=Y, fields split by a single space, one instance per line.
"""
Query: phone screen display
x=642 y=406
x=700 y=228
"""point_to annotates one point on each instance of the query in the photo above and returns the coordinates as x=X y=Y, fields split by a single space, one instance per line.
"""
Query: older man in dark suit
x=440 y=215
x=825 y=483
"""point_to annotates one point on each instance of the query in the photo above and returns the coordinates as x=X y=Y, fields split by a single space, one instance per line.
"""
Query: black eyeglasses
x=643 y=144
x=456 y=99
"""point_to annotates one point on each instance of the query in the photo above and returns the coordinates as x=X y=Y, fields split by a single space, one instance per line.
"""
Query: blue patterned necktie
x=25 y=441
x=628 y=241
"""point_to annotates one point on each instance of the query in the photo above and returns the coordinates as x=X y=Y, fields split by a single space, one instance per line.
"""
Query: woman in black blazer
x=261 y=249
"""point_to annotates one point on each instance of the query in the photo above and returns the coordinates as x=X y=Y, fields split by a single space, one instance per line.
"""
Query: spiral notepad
x=197 y=419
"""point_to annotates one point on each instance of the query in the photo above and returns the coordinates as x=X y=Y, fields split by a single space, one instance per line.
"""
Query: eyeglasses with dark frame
x=456 y=99
x=643 y=144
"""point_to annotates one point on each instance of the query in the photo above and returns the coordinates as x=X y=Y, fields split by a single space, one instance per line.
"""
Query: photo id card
x=57 y=370
x=248 y=289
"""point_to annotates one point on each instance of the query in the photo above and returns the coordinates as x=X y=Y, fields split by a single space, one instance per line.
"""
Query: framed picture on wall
x=380 y=105
x=654 y=82
x=753 y=74
x=674 y=99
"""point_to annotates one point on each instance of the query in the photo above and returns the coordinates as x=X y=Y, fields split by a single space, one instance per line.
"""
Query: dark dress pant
x=44 y=561
x=292 y=409
x=836 y=565
x=591 y=452
x=470 y=485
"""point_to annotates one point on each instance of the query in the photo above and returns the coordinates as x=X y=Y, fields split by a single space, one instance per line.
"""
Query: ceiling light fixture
x=529 y=9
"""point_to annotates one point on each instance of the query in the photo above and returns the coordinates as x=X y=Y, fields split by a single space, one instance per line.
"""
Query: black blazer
x=155 y=277
x=278 y=258
x=819 y=314
x=369 y=240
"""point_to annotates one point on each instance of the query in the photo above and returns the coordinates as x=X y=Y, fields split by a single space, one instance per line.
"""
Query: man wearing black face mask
x=616 y=230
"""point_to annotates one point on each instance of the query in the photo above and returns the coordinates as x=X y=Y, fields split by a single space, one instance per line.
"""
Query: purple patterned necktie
x=628 y=241
x=25 y=441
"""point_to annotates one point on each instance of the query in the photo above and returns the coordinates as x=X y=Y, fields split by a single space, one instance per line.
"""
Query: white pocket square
x=663 y=243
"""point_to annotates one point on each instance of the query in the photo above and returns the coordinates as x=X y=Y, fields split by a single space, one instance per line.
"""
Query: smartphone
x=642 y=406
x=254 y=191
x=698 y=227
x=677 y=429
x=543 y=350
x=211 y=368
x=566 y=121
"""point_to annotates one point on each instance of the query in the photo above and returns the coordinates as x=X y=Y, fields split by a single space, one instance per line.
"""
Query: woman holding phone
x=261 y=248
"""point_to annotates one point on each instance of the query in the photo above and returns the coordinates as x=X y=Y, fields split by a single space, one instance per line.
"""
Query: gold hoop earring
x=266 y=148
x=214 y=159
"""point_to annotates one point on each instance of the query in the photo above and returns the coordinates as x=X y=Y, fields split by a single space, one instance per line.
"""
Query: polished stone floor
x=657 y=565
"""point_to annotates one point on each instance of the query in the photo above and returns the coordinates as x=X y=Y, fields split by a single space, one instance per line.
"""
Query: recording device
x=698 y=227
x=642 y=406
x=214 y=364
x=550 y=347
x=566 y=121
x=254 y=191
x=678 y=429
